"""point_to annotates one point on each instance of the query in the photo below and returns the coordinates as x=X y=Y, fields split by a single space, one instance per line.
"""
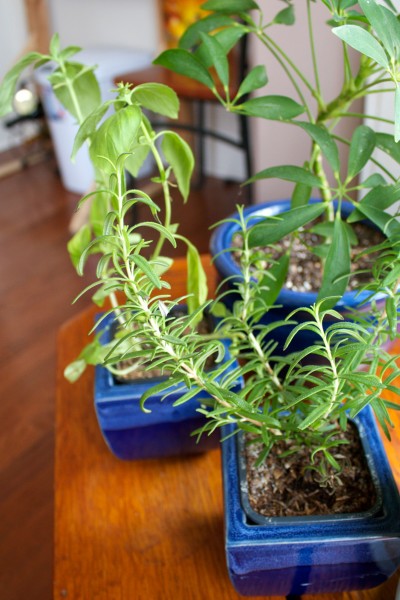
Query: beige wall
x=275 y=143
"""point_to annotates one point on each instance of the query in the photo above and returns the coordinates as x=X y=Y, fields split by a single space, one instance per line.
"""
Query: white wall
x=276 y=143
x=381 y=105
x=123 y=23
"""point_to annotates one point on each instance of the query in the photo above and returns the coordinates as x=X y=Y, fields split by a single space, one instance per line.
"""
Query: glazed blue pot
x=132 y=434
x=288 y=300
x=279 y=556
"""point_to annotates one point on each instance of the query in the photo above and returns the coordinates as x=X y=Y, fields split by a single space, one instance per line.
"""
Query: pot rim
x=223 y=260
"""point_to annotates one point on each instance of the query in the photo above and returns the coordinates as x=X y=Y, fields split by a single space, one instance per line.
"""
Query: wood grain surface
x=150 y=529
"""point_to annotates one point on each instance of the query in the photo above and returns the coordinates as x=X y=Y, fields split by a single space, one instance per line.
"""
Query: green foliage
x=374 y=31
x=301 y=395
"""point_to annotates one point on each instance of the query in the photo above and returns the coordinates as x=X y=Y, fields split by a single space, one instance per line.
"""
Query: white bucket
x=78 y=176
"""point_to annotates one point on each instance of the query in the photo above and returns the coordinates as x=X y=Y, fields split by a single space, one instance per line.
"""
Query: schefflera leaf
x=276 y=108
x=271 y=230
x=337 y=266
x=361 y=147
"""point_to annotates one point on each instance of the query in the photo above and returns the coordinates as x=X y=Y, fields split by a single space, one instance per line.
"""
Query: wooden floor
x=37 y=285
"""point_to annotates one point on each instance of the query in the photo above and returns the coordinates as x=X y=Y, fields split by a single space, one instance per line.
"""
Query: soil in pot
x=284 y=485
x=305 y=268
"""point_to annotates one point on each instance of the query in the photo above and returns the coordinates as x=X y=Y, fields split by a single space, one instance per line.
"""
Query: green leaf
x=364 y=42
x=316 y=414
x=385 y=142
x=162 y=264
x=337 y=266
x=78 y=243
x=285 y=16
x=163 y=386
x=382 y=196
x=180 y=157
x=375 y=203
x=85 y=87
x=270 y=230
x=74 y=370
x=196 y=281
x=271 y=284
x=116 y=136
x=7 y=87
x=145 y=266
x=289 y=173
x=392 y=316
x=158 y=98
x=88 y=127
x=140 y=151
x=373 y=181
x=191 y=36
x=232 y=7
x=301 y=195
x=386 y=223
x=184 y=63
x=218 y=57
x=326 y=229
x=385 y=24
x=69 y=51
x=227 y=38
x=160 y=228
x=134 y=163
x=55 y=45
x=254 y=80
x=361 y=147
x=321 y=136
x=277 y=108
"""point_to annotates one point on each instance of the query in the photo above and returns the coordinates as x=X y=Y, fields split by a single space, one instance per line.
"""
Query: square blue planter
x=132 y=434
x=312 y=555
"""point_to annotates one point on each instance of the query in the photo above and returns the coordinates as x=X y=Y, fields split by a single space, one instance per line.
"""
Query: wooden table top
x=150 y=529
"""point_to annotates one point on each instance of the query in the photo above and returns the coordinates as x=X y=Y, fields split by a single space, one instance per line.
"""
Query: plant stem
x=280 y=56
x=312 y=46
x=74 y=98
x=165 y=188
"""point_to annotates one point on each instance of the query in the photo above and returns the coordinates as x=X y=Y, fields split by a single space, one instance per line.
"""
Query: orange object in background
x=177 y=16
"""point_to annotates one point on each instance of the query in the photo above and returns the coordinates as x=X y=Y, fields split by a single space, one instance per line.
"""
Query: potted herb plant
x=120 y=137
x=288 y=407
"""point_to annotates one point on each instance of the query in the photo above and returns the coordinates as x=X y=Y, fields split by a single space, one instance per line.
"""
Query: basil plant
x=120 y=136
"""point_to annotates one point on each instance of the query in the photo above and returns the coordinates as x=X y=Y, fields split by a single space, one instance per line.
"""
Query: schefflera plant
x=119 y=144
x=374 y=31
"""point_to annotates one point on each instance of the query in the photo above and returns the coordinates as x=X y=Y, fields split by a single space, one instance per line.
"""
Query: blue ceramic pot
x=288 y=300
x=312 y=555
x=132 y=434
